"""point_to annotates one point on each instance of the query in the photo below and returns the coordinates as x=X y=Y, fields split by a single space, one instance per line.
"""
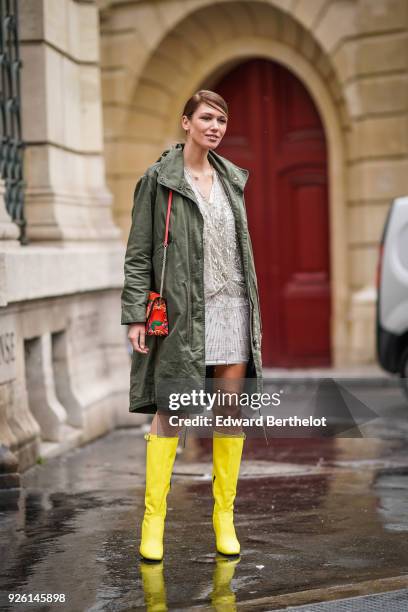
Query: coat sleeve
x=256 y=282
x=138 y=257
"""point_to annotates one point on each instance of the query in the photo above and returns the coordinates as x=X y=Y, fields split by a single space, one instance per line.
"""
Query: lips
x=211 y=137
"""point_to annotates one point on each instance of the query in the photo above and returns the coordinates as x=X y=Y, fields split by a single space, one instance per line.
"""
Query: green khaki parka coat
x=180 y=356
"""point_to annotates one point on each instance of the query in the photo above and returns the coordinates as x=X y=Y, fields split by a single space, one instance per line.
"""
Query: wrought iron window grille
x=12 y=145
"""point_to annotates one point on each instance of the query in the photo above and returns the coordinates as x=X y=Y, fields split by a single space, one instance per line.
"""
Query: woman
x=213 y=308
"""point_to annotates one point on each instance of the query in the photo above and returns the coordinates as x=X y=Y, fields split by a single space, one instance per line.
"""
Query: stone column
x=66 y=196
x=9 y=476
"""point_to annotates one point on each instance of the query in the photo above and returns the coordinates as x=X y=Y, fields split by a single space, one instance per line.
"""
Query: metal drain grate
x=394 y=601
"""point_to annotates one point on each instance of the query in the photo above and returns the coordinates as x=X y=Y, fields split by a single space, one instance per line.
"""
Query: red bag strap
x=166 y=237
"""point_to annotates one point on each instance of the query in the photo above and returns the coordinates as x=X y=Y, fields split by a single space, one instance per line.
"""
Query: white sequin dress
x=227 y=311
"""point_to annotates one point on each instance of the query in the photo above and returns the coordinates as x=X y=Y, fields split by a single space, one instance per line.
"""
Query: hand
x=136 y=335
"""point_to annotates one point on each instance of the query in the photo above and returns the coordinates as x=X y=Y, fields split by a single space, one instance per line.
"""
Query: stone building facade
x=103 y=84
x=64 y=363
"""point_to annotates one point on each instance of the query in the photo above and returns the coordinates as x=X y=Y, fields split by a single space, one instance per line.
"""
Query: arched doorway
x=276 y=133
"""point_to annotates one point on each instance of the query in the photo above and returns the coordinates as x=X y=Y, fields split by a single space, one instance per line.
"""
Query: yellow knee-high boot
x=227 y=452
x=160 y=455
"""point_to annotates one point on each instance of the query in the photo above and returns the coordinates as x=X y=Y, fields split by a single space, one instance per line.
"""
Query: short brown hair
x=208 y=97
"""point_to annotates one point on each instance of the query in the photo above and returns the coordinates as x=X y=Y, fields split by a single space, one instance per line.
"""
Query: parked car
x=392 y=295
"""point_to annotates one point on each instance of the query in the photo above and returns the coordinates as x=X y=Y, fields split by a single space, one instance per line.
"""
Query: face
x=206 y=127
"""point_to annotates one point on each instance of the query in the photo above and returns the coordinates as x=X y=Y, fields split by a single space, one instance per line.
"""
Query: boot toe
x=228 y=546
x=226 y=540
x=151 y=546
x=151 y=550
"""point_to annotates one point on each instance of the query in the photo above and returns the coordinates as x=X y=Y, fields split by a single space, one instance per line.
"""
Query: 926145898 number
x=37 y=597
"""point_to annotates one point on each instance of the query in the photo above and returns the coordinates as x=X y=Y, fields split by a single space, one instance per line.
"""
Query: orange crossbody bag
x=157 y=323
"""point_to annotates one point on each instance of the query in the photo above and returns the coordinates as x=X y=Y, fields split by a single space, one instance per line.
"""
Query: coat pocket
x=189 y=321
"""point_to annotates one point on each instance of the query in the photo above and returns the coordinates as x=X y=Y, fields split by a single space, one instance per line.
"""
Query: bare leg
x=229 y=379
x=161 y=426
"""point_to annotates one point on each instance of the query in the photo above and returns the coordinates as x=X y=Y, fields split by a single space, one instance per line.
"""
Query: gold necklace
x=197 y=188
x=197 y=177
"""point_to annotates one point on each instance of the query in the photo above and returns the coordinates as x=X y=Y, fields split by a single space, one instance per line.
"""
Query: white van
x=392 y=296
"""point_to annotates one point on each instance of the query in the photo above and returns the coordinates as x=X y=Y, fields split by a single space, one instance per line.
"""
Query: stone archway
x=231 y=53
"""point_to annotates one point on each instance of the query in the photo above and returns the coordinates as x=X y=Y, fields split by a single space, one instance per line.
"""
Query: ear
x=185 y=123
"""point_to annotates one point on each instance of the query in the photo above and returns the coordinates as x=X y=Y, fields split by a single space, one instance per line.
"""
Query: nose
x=214 y=124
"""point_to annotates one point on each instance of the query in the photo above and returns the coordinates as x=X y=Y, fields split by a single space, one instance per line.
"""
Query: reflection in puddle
x=222 y=596
x=154 y=588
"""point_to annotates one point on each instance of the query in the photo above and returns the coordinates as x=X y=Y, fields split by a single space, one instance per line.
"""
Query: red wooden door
x=275 y=132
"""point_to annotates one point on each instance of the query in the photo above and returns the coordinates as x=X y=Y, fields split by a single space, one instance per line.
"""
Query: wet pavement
x=318 y=519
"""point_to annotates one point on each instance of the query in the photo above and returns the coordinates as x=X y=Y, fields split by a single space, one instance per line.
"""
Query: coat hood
x=171 y=169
